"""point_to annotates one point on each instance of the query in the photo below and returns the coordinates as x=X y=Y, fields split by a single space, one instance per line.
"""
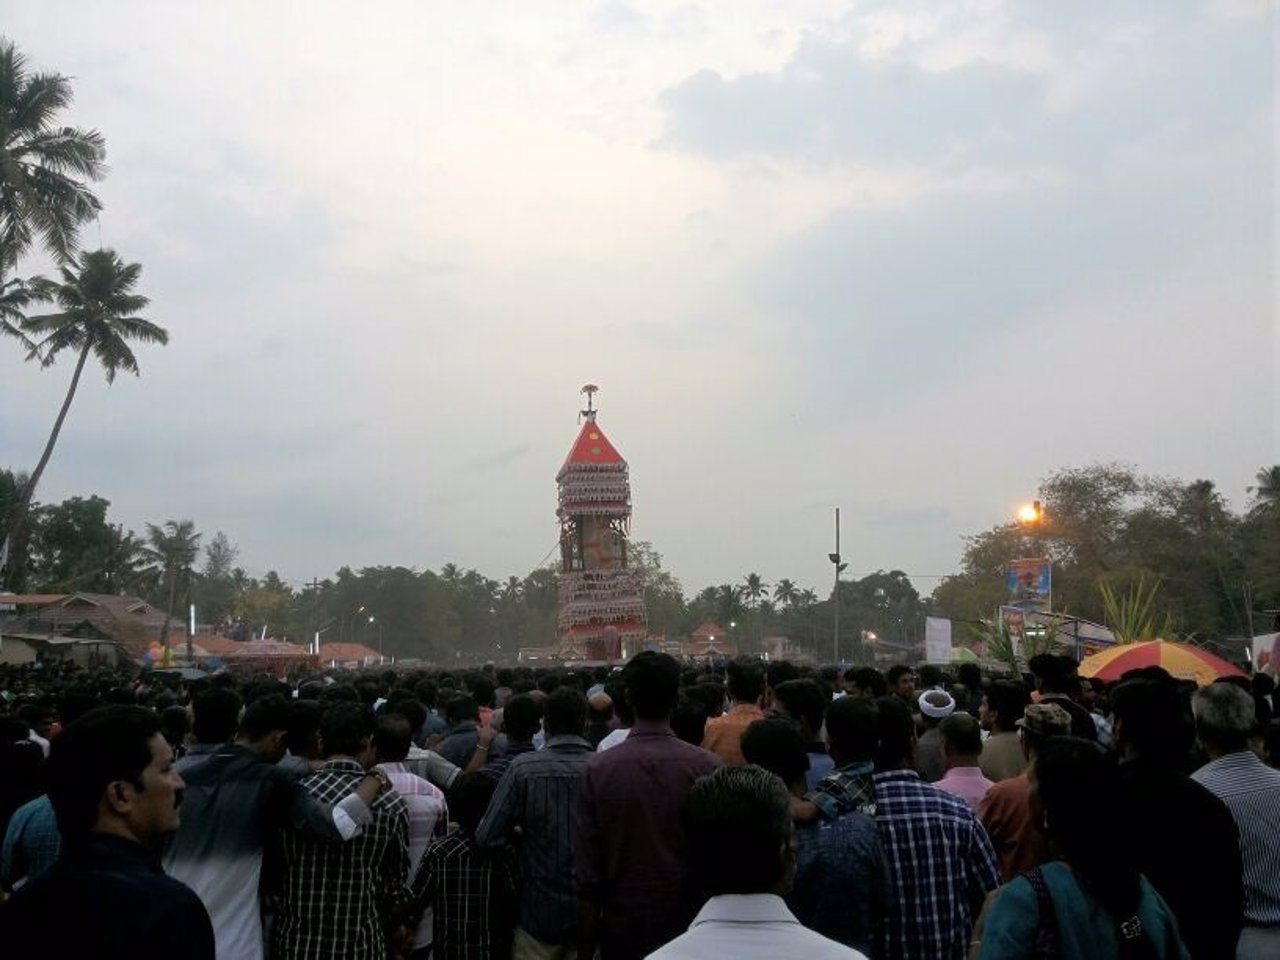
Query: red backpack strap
x=1046 y=945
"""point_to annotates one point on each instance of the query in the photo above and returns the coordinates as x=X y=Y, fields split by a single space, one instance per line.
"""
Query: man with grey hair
x=1225 y=719
x=742 y=853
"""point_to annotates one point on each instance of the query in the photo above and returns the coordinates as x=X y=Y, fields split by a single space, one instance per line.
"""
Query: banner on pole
x=937 y=640
x=1030 y=583
x=1014 y=619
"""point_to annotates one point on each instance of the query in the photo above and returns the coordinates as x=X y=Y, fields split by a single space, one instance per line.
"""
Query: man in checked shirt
x=471 y=892
x=341 y=900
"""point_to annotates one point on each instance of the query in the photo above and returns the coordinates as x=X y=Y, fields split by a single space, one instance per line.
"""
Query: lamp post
x=835 y=596
x=349 y=633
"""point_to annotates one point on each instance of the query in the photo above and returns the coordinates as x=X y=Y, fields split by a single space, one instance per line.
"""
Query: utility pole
x=835 y=596
x=312 y=636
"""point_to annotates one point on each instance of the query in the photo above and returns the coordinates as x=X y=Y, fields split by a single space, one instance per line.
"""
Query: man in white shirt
x=742 y=853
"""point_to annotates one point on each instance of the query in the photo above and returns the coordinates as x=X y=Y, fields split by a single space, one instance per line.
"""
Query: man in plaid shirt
x=340 y=900
x=939 y=860
x=471 y=892
x=428 y=812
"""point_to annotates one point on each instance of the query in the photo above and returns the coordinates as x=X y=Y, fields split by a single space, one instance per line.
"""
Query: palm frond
x=67 y=150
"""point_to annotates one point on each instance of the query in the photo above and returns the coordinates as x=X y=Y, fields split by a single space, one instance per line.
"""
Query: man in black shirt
x=1185 y=837
x=115 y=794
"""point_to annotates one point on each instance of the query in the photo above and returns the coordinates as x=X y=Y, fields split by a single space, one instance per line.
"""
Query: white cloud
x=793 y=243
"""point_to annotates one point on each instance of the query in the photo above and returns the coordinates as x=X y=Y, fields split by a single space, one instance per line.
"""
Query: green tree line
x=1103 y=526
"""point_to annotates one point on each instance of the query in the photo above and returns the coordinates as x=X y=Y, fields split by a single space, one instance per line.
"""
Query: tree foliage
x=1106 y=524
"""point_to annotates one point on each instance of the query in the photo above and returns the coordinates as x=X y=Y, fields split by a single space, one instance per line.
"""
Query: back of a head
x=1225 y=716
x=1070 y=775
x=522 y=717
x=1153 y=720
x=779 y=672
x=896 y=733
x=426 y=692
x=930 y=675
x=216 y=715
x=1060 y=675
x=869 y=680
x=263 y=717
x=599 y=708
x=77 y=703
x=481 y=689
x=711 y=694
x=853 y=727
x=653 y=684
x=345 y=728
x=804 y=701
x=566 y=712
x=549 y=681
x=776 y=745
x=1007 y=700
x=392 y=737
x=106 y=745
x=469 y=797
x=739 y=822
x=970 y=674
x=745 y=680
x=339 y=693
x=462 y=709
x=689 y=720
x=302 y=734
x=961 y=735
x=176 y=722
x=411 y=709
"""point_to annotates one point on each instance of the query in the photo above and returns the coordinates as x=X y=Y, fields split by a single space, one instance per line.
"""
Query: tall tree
x=98 y=315
x=215 y=589
x=74 y=548
x=172 y=550
x=44 y=167
x=785 y=592
x=1266 y=491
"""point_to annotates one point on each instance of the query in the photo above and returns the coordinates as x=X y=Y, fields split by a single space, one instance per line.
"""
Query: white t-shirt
x=613 y=739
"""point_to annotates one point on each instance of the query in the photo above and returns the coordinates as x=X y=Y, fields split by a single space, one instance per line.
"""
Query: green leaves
x=45 y=168
x=98 y=306
x=1133 y=616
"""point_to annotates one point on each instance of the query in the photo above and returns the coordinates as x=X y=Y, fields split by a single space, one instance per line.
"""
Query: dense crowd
x=656 y=810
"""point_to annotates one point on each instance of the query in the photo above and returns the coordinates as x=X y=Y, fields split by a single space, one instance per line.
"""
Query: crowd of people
x=658 y=809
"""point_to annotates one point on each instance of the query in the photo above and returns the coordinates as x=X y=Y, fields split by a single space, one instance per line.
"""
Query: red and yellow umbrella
x=1183 y=661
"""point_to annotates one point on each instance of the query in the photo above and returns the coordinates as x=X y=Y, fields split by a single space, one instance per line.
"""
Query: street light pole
x=835 y=596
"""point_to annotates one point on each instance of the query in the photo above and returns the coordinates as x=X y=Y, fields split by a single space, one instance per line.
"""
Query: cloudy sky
x=905 y=258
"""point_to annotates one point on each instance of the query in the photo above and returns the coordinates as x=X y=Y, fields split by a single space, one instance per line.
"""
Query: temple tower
x=602 y=612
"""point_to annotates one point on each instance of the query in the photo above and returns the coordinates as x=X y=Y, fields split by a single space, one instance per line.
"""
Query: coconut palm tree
x=786 y=592
x=172 y=550
x=98 y=315
x=15 y=296
x=754 y=590
x=44 y=168
x=1267 y=490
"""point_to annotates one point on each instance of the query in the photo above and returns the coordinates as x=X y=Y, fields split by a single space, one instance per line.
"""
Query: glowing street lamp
x=1031 y=513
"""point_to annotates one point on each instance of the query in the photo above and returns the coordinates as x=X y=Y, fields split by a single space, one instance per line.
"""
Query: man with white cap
x=931 y=761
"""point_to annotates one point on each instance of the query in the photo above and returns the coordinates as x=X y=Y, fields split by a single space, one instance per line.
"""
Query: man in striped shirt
x=1225 y=715
x=539 y=794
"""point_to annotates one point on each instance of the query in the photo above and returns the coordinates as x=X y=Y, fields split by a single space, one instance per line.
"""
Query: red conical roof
x=593 y=447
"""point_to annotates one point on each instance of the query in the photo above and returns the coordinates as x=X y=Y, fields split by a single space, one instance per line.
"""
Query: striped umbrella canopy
x=1183 y=661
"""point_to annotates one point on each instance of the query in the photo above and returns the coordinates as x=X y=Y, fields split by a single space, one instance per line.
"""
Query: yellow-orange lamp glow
x=1031 y=513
